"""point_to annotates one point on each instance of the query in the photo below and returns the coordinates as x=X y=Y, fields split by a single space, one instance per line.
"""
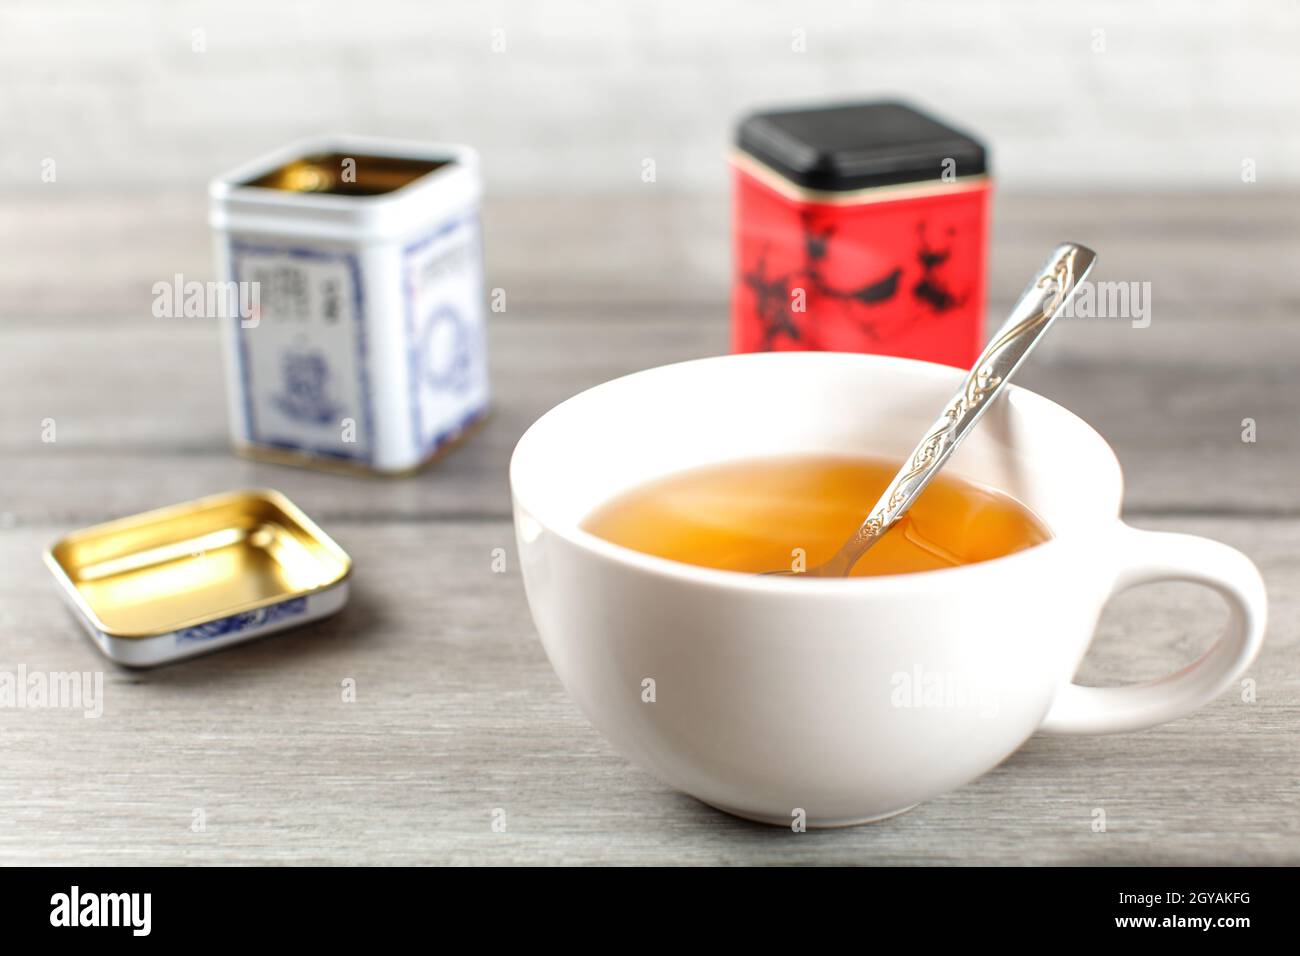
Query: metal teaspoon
x=1043 y=300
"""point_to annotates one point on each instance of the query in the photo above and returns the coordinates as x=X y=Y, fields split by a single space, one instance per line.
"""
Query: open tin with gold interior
x=356 y=267
x=194 y=577
x=330 y=173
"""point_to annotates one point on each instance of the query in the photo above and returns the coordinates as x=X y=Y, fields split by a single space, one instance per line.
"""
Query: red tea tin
x=859 y=228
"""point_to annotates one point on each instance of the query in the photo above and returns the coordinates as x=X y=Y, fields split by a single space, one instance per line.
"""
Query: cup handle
x=1147 y=557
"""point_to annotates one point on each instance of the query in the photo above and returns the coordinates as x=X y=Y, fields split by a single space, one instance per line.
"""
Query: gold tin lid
x=194 y=563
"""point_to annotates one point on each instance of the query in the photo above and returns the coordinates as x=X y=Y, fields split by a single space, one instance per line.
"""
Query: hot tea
x=771 y=514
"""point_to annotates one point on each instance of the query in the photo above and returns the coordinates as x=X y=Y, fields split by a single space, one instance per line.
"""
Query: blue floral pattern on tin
x=242 y=622
x=304 y=376
x=445 y=345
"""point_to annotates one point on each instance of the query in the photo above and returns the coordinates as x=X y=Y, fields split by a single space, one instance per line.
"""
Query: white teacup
x=841 y=701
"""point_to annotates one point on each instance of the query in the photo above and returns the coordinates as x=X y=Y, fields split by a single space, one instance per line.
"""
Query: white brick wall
x=114 y=93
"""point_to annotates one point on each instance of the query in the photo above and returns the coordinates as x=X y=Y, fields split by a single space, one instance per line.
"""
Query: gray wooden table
x=457 y=711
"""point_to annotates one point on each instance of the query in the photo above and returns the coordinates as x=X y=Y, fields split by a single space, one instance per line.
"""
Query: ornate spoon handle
x=1040 y=304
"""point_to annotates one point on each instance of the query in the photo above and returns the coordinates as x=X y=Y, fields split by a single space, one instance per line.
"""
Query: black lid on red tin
x=859 y=145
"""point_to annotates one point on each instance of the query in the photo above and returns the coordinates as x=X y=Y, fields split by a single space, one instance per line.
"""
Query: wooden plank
x=458 y=713
x=139 y=414
x=65 y=253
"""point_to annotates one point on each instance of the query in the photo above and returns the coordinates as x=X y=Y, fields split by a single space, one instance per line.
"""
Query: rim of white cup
x=576 y=535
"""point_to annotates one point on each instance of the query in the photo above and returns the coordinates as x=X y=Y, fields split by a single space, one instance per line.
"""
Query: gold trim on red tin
x=770 y=178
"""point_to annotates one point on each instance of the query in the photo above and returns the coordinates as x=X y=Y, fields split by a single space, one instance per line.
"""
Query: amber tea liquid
x=752 y=515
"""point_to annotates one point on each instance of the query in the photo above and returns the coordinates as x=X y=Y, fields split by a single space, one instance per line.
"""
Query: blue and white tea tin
x=357 y=332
